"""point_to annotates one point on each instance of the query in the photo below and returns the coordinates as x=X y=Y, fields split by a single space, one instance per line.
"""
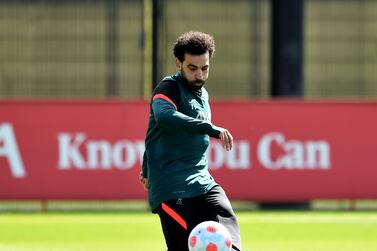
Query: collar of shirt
x=179 y=77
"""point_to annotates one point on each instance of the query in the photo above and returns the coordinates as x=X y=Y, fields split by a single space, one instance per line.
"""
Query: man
x=175 y=169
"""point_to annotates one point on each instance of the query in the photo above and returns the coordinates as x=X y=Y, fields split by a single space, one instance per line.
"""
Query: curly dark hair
x=194 y=43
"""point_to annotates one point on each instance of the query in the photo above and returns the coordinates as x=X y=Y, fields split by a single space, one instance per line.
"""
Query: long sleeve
x=167 y=116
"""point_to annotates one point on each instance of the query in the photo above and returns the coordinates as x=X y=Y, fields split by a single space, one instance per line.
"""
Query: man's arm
x=167 y=116
x=165 y=109
x=143 y=176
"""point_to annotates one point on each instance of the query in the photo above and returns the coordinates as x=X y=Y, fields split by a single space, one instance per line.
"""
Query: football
x=210 y=236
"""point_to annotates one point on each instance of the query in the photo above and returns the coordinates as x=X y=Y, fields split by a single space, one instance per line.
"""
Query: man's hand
x=143 y=181
x=226 y=139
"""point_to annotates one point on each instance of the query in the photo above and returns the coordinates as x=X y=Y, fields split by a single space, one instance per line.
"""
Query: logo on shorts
x=179 y=201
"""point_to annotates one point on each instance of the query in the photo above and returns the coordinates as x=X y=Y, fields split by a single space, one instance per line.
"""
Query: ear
x=178 y=64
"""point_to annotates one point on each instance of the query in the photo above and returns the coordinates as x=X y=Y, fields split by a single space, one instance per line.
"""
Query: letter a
x=9 y=150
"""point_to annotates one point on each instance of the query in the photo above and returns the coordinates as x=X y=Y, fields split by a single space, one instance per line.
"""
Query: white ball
x=210 y=236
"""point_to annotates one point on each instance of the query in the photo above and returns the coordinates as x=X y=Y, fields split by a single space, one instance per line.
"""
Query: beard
x=193 y=85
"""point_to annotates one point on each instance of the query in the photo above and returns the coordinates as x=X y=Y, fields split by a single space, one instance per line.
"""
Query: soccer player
x=175 y=169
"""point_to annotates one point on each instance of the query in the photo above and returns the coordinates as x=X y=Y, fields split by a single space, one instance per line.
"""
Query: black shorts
x=179 y=216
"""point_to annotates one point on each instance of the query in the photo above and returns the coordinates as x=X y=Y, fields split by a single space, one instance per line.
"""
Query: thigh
x=178 y=217
x=217 y=203
x=220 y=210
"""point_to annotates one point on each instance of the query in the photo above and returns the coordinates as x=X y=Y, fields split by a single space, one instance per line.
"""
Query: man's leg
x=179 y=216
x=177 y=219
x=220 y=210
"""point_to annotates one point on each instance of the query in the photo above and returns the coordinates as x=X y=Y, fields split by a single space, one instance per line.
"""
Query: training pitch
x=129 y=231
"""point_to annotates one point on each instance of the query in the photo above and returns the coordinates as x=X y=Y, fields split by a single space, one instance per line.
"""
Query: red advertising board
x=284 y=150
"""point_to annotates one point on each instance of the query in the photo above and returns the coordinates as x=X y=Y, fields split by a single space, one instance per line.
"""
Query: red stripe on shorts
x=174 y=215
x=165 y=98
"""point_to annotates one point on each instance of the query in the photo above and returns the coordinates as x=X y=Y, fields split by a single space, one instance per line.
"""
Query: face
x=195 y=69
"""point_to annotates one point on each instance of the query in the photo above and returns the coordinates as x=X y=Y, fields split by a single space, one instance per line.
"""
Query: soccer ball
x=210 y=236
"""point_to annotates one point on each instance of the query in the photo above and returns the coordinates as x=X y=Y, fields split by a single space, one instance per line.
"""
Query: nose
x=199 y=75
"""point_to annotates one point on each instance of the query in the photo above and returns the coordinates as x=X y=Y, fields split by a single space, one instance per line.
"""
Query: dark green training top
x=175 y=160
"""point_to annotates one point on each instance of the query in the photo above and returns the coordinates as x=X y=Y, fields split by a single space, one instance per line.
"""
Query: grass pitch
x=261 y=231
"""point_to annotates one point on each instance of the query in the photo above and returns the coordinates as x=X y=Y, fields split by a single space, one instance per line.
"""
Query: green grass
x=261 y=231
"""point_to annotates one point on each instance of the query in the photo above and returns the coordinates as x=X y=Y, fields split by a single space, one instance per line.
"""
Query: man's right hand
x=143 y=181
